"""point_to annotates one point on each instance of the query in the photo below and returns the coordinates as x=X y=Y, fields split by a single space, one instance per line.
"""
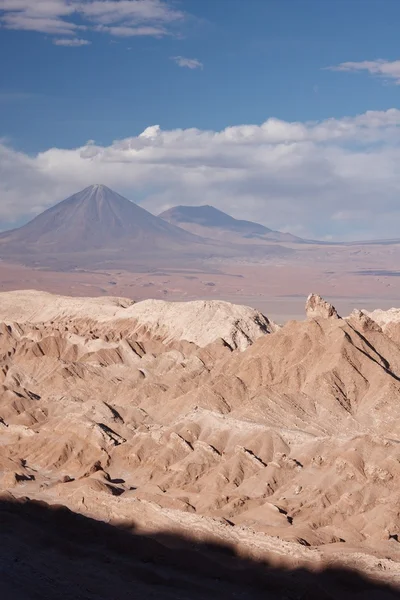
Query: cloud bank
x=124 y=18
x=337 y=177
x=384 y=68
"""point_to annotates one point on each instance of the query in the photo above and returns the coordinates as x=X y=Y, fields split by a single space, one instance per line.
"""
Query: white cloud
x=116 y=17
x=337 y=177
x=73 y=42
x=189 y=63
x=384 y=68
x=123 y=31
x=133 y=11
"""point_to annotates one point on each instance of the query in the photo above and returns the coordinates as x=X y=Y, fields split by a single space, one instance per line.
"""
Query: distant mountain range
x=208 y=221
x=99 y=228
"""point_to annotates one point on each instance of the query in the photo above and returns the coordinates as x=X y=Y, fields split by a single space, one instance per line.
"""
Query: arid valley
x=204 y=414
x=225 y=262
x=199 y=300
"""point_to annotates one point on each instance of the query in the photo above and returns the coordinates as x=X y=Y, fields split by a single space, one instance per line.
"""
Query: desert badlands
x=193 y=450
x=199 y=300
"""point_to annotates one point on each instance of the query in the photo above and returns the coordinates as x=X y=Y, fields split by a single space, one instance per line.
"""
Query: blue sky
x=106 y=70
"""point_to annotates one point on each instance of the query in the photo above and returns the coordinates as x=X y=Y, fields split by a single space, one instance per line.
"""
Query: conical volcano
x=97 y=228
x=93 y=219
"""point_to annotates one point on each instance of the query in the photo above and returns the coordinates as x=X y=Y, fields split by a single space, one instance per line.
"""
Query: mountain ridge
x=206 y=417
x=207 y=220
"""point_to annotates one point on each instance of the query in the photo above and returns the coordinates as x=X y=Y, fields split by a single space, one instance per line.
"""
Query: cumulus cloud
x=337 y=177
x=73 y=42
x=189 y=63
x=384 y=68
x=67 y=17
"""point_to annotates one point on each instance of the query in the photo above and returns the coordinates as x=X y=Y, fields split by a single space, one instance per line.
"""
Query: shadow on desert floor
x=48 y=552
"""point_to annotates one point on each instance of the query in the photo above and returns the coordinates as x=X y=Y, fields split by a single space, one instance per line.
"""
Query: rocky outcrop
x=200 y=322
x=318 y=308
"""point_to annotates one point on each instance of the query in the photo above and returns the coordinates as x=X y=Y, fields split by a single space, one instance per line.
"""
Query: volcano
x=95 y=218
x=210 y=222
x=98 y=228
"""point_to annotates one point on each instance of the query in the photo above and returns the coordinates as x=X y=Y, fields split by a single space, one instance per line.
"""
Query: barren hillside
x=207 y=418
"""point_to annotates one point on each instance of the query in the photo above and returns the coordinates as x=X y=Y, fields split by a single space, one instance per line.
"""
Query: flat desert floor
x=279 y=291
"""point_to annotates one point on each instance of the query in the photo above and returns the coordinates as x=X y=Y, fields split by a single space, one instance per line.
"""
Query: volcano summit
x=95 y=218
x=98 y=228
